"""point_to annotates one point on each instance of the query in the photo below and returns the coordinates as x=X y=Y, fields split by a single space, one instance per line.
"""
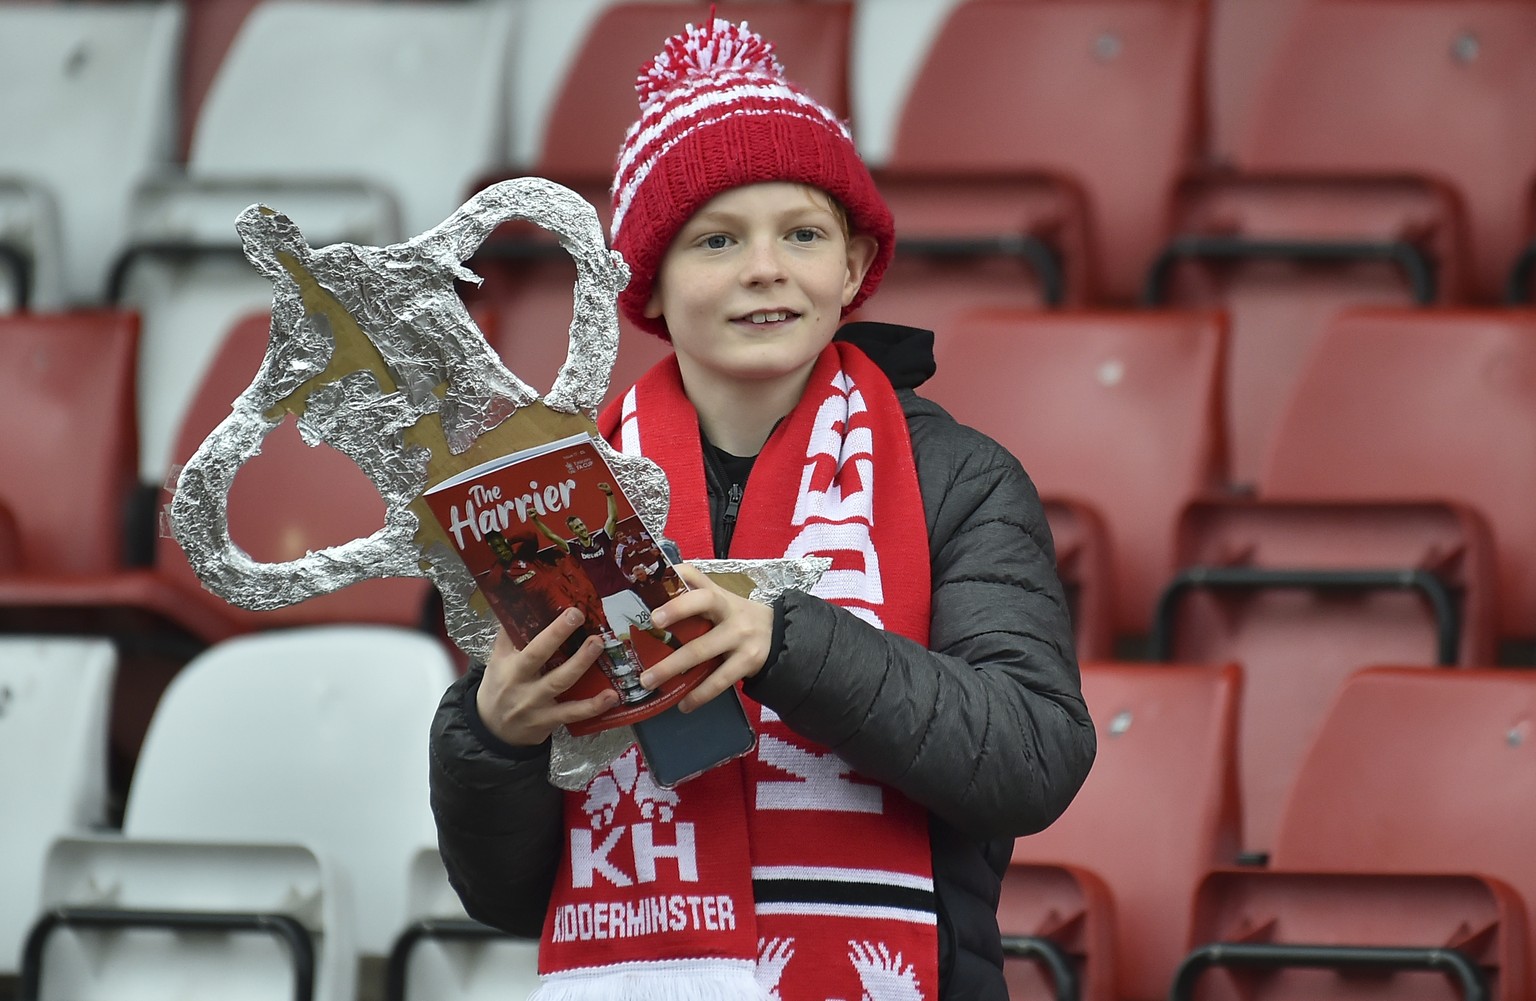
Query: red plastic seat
x=1433 y=405
x=1440 y=89
x=1099 y=94
x=1120 y=410
x=70 y=450
x=1113 y=880
x=1281 y=255
x=1407 y=827
x=1303 y=595
x=1082 y=563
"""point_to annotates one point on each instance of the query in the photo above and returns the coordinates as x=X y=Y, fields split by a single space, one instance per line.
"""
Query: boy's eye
x=715 y=241
x=805 y=234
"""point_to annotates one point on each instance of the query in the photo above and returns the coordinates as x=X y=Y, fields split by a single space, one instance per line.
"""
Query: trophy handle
x=435 y=396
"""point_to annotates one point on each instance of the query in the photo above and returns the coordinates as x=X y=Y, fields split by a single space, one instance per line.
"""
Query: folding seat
x=70 y=448
x=1401 y=866
x=1431 y=95
x=54 y=693
x=1117 y=409
x=89 y=113
x=1105 y=893
x=357 y=148
x=279 y=803
x=1082 y=563
x=528 y=279
x=1431 y=88
x=287 y=501
x=1034 y=154
x=1303 y=595
x=1423 y=405
x=1281 y=255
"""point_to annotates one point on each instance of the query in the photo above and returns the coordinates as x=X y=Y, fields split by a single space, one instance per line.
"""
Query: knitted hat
x=716 y=113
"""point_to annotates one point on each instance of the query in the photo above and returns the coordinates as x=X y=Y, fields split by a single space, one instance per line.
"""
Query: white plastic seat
x=362 y=122
x=88 y=111
x=54 y=697
x=441 y=953
x=283 y=772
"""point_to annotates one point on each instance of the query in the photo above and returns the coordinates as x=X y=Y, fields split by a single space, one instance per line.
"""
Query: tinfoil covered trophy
x=374 y=354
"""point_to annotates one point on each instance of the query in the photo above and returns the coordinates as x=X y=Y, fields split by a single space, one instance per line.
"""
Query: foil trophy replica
x=374 y=354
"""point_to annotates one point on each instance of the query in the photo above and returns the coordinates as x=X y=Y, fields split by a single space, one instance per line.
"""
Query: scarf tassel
x=677 y=980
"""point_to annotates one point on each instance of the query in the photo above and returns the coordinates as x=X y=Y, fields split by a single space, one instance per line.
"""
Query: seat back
x=1298 y=644
x=1282 y=255
x=288 y=500
x=1104 y=93
x=1120 y=410
x=54 y=694
x=1423 y=405
x=90 y=112
x=308 y=736
x=1438 y=88
x=1167 y=755
x=1420 y=772
x=369 y=103
x=70 y=447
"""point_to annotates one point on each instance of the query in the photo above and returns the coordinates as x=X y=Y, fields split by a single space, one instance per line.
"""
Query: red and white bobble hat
x=716 y=113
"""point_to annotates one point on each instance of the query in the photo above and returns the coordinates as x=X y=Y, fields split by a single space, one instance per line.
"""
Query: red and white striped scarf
x=784 y=874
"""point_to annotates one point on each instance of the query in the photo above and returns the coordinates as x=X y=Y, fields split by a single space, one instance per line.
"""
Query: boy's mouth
x=767 y=316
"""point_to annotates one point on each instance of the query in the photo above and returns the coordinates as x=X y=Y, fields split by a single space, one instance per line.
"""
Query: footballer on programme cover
x=548 y=528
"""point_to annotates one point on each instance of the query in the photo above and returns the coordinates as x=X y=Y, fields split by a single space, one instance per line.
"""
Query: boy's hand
x=741 y=635
x=519 y=704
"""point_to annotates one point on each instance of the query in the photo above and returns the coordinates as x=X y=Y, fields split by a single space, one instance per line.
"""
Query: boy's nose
x=763 y=265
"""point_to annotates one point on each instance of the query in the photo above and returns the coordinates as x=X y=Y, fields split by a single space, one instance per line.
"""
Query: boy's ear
x=861 y=254
x=653 y=304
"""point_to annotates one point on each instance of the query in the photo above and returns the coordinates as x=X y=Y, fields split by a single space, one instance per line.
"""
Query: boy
x=914 y=715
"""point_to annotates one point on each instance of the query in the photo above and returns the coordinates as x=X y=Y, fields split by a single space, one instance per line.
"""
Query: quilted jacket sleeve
x=987 y=729
x=498 y=817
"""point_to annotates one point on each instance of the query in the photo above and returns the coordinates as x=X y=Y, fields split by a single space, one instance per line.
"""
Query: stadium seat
x=1439 y=89
x=1117 y=409
x=1082 y=563
x=357 y=148
x=1112 y=881
x=1241 y=46
x=1281 y=255
x=441 y=952
x=1400 y=866
x=54 y=693
x=70 y=448
x=1423 y=405
x=1303 y=595
x=1101 y=95
x=211 y=27
x=89 y=114
x=282 y=791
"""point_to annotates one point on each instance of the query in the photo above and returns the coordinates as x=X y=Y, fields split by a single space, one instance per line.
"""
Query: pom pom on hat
x=716 y=112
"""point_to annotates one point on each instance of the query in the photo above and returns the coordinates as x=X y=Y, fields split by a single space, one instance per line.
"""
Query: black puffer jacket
x=987 y=729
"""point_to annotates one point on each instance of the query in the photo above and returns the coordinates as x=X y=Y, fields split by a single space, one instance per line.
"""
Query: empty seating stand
x=1281 y=255
x=1303 y=595
x=279 y=806
x=1400 y=866
x=70 y=450
x=1047 y=135
x=1119 y=410
x=1424 y=405
x=90 y=112
x=1105 y=893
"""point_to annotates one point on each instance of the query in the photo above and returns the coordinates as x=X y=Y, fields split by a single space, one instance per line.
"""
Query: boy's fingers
x=548 y=641
x=567 y=674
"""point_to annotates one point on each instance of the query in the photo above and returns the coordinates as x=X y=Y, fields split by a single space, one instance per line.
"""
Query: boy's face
x=753 y=286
